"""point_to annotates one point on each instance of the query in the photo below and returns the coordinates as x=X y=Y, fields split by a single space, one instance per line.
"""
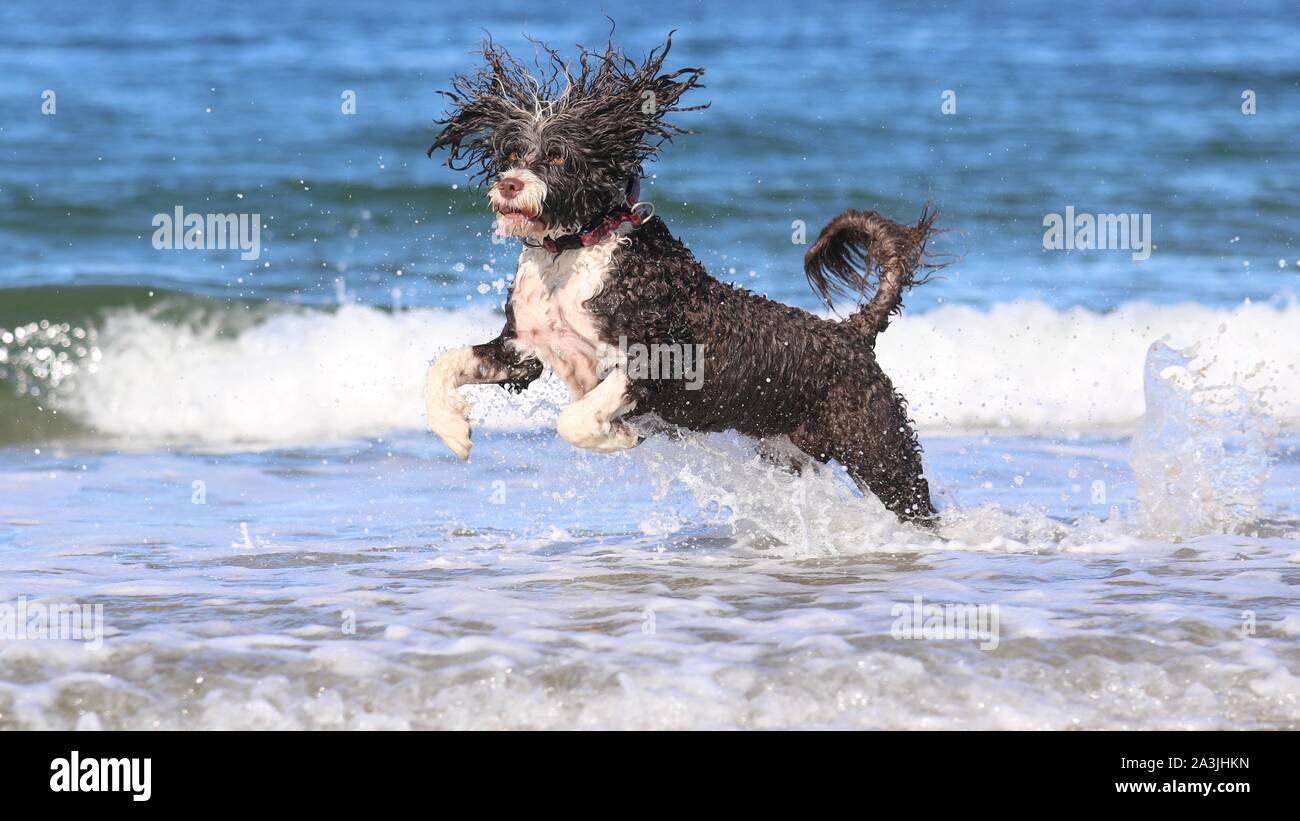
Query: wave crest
x=309 y=375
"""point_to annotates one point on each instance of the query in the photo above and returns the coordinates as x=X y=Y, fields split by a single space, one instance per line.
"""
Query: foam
x=1028 y=366
x=315 y=376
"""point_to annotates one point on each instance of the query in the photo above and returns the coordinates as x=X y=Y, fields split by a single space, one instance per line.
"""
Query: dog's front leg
x=495 y=362
x=447 y=410
x=593 y=422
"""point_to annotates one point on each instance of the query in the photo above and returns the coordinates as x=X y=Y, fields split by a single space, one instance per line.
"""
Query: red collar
x=603 y=228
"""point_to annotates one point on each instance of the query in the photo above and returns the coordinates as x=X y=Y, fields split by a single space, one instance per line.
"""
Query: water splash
x=817 y=512
x=814 y=512
x=1201 y=453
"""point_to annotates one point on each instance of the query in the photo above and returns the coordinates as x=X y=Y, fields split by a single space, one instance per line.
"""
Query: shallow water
x=533 y=588
x=228 y=458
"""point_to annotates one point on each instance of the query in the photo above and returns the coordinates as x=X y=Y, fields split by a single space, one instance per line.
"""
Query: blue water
x=1110 y=107
x=230 y=457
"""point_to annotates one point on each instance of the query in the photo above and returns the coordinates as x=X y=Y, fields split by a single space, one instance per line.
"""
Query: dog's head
x=563 y=147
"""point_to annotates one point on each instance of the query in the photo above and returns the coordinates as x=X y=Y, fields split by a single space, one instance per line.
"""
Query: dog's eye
x=557 y=161
x=514 y=156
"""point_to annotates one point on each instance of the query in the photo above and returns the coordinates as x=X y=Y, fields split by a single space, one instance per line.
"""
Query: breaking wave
x=188 y=370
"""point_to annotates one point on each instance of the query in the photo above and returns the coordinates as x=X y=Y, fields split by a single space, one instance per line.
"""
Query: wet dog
x=562 y=151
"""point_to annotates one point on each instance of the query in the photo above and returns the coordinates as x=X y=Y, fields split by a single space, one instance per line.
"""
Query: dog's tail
x=859 y=244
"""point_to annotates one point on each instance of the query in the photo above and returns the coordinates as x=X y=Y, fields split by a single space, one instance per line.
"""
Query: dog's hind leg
x=869 y=434
x=594 y=422
x=897 y=480
x=781 y=452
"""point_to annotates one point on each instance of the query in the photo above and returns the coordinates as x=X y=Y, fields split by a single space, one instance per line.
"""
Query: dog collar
x=605 y=226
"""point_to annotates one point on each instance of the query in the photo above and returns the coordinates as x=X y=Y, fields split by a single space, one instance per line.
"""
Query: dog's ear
x=658 y=94
x=452 y=134
x=478 y=103
x=622 y=104
x=468 y=117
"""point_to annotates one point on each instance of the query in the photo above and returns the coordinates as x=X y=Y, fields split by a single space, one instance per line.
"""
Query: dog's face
x=561 y=149
x=550 y=176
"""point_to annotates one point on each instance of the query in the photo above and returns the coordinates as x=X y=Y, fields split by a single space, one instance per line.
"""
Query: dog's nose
x=509 y=187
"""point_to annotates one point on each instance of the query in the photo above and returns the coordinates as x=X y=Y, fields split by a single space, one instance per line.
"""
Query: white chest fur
x=550 y=320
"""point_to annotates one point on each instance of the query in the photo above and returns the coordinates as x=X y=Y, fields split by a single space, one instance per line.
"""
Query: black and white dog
x=563 y=152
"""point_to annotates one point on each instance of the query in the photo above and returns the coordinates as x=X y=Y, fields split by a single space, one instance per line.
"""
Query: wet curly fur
x=582 y=131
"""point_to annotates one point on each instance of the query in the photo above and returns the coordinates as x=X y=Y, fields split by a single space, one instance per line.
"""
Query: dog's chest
x=550 y=320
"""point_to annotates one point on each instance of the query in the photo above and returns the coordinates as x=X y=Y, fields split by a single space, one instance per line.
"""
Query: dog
x=562 y=153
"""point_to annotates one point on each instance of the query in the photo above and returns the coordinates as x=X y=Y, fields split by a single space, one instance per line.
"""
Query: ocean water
x=228 y=459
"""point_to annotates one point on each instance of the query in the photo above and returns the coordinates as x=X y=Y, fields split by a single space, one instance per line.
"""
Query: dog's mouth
x=515 y=220
x=517 y=199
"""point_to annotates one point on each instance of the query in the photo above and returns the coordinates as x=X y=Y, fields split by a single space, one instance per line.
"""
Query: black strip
x=235 y=770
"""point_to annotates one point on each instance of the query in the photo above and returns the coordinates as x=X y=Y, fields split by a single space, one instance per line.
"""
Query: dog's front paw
x=448 y=413
x=577 y=426
x=622 y=436
x=451 y=423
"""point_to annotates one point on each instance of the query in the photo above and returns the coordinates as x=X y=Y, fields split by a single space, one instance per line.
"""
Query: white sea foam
x=318 y=376
x=1027 y=366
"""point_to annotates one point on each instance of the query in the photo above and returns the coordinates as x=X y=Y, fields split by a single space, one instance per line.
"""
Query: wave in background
x=175 y=368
